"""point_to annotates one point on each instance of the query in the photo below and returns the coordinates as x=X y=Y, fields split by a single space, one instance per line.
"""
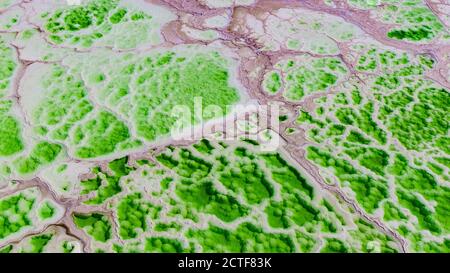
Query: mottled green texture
x=415 y=21
x=133 y=98
x=272 y=82
x=229 y=182
x=65 y=114
x=147 y=90
x=104 y=184
x=90 y=95
x=369 y=191
x=103 y=134
x=333 y=245
x=421 y=24
x=203 y=197
x=246 y=238
x=97 y=22
x=43 y=153
x=246 y=177
x=96 y=225
x=8 y=65
x=163 y=245
x=67 y=247
x=132 y=214
x=47 y=210
x=390 y=134
x=39 y=242
x=14 y=214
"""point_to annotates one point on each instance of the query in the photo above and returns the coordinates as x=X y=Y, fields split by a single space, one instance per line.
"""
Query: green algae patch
x=355 y=130
x=423 y=122
x=418 y=34
x=204 y=197
x=420 y=24
x=246 y=238
x=420 y=243
x=132 y=214
x=204 y=146
x=63 y=95
x=163 y=245
x=369 y=191
x=96 y=225
x=271 y=207
x=371 y=239
x=333 y=245
x=67 y=247
x=10 y=131
x=414 y=21
x=131 y=101
x=64 y=114
x=15 y=214
x=304 y=75
x=189 y=166
x=104 y=184
x=392 y=212
x=147 y=89
x=373 y=159
x=248 y=178
x=42 y=154
x=292 y=210
x=424 y=215
x=46 y=211
x=286 y=175
x=103 y=134
x=109 y=23
x=272 y=82
x=8 y=65
x=38 y=243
